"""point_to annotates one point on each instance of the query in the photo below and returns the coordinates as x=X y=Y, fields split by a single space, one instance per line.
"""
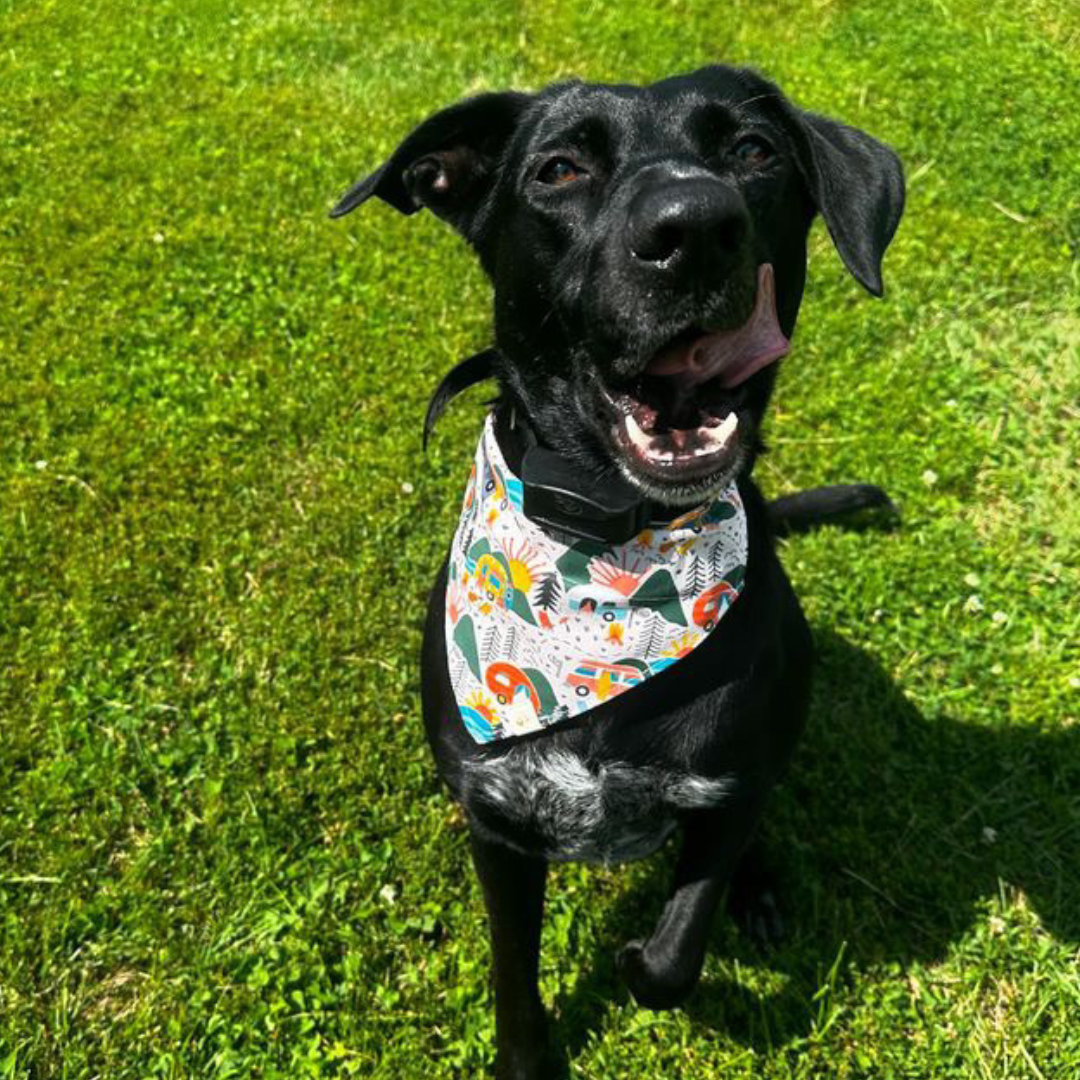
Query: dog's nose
x=682 y=220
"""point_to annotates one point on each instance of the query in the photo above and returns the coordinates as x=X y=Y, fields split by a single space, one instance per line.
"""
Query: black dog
x=636 y=238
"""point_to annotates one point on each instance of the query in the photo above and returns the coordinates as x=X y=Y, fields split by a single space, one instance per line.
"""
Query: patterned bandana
x=542 y=627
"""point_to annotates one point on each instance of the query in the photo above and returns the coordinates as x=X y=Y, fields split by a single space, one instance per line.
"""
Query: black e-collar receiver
x=558 y=495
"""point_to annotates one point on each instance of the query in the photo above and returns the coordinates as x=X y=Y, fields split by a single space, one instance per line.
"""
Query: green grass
x=223 y=851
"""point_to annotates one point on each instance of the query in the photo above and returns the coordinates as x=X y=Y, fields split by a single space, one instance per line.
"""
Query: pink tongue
x=731 y=355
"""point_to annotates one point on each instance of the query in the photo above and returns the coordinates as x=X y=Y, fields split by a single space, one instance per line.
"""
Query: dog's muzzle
x=678 y=420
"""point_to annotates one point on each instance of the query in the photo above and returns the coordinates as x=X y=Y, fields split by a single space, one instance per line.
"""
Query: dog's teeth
x=709 y=439
x=715 y=439
x=637 y=436
x=727 y=428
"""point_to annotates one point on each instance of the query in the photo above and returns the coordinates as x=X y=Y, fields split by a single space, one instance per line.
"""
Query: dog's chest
x=574 y=810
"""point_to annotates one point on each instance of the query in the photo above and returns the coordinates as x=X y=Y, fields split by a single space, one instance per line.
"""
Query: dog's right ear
x=448 y=163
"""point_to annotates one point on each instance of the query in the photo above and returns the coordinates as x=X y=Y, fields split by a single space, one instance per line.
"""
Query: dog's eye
x=752 y=150
x=559 y=170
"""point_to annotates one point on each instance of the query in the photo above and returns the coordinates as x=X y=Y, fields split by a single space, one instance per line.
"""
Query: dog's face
x=647 y=246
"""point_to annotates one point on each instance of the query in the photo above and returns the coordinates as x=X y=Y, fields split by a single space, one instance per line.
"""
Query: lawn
x=223 y=850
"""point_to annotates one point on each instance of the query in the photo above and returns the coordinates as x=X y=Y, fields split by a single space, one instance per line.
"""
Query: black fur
x=611 y=220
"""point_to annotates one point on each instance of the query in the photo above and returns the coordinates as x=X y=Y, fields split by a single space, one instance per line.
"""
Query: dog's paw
x=752 y=899
x=757 y=914
x=531 y=1060
x=530 y=1064
x=654 y=986
x=523 y=1049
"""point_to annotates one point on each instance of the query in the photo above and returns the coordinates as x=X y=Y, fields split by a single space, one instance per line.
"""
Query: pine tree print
x=492 y=641
x=696 y=574
x=654 y=637
x=549 y=592
x=716 y=560
x=457 y=667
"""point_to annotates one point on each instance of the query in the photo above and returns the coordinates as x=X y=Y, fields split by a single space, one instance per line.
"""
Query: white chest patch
x=613 y=813
x=541 y=627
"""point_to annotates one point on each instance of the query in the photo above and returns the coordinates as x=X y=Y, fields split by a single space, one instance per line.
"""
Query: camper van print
x=492 y=578
x=523 y=696
x=508 y=682
x=598 y=600
x=712 y=603
x=595 y=678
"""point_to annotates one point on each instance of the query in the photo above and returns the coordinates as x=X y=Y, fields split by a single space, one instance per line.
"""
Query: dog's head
x=647 y=247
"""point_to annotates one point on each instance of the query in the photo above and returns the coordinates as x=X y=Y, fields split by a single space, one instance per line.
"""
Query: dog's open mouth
x=679 y=420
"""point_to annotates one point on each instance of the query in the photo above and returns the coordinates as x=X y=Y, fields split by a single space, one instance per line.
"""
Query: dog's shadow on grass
x=890 y=834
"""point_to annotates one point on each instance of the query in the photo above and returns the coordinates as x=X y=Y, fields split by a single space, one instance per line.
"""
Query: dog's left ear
x=857 y=184
x=446 y=164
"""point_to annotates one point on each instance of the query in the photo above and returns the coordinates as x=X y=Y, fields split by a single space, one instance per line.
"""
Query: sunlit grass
x=222 y=848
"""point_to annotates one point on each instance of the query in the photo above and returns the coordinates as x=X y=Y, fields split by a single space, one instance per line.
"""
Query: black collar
x=558 y=495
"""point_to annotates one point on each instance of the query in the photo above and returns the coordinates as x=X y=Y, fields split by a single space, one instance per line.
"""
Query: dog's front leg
x=662 y=971
x=513 y=886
